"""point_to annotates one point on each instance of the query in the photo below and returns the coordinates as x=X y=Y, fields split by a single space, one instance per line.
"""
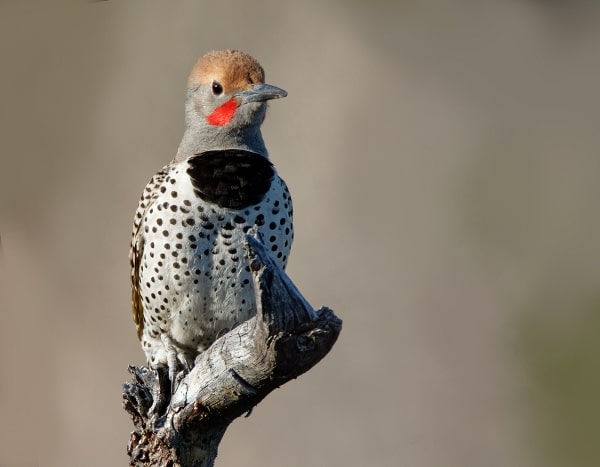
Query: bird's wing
x=136 y=252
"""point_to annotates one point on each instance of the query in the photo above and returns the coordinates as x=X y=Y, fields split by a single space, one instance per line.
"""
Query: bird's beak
x=260 y=92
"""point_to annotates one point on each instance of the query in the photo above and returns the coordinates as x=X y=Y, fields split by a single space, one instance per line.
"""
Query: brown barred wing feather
x=136 y=252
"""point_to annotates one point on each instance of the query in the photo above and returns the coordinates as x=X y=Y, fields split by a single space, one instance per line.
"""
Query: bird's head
x=226 y=104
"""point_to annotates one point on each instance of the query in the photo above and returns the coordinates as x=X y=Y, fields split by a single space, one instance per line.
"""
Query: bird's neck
x=200 y=137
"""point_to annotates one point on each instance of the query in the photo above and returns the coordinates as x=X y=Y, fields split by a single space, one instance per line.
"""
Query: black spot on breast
x=231 y=178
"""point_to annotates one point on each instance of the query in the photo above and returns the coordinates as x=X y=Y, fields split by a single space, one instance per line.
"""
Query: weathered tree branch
x=285 y=339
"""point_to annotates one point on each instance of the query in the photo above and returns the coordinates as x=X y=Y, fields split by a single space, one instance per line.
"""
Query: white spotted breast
x=188 y=263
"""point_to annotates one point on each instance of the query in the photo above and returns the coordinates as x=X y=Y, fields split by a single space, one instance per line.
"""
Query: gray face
x=217 y=115
x=216 y=119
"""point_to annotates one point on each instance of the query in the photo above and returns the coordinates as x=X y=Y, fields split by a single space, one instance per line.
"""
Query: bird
x=190 y=279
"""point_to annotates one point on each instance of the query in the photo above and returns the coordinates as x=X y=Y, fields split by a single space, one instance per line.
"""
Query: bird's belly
x=215 y=296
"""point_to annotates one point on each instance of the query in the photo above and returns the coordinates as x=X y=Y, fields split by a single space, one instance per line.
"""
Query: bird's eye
x=217 y=89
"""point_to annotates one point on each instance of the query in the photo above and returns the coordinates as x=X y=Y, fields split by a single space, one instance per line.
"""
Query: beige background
x=444 y=162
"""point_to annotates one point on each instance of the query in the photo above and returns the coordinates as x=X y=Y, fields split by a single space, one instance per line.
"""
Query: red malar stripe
x=223 y=115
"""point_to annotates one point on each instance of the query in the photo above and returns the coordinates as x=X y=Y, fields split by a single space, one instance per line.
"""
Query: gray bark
x=285 y=339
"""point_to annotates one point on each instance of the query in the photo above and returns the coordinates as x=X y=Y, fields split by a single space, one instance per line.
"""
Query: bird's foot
x=177 y=364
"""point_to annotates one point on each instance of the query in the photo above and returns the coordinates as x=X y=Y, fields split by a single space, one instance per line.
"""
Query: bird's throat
x=227 y=127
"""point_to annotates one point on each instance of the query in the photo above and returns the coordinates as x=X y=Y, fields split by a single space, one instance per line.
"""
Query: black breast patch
x=231 y=178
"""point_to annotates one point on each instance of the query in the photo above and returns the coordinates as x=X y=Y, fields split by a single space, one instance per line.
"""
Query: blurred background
x=443 y=158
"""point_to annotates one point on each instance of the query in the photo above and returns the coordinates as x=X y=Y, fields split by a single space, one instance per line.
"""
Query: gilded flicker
x=190 y=279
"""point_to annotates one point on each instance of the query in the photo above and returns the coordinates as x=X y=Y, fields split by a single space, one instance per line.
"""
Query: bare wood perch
x=285 y=339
